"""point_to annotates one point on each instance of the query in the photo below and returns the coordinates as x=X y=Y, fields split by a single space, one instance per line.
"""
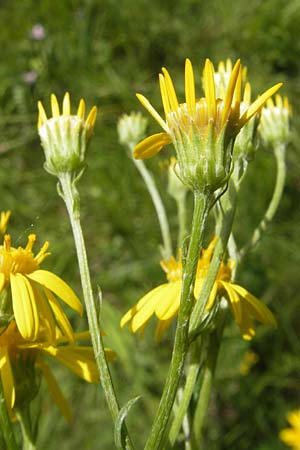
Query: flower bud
x=131 y=129
x=274 y=127
x=65 y=136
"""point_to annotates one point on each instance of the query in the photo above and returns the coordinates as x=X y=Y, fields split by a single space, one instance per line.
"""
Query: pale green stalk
x=26 y=427
x=70 y=195
x=279 y=152
x=181 y=211
x=5 y=424
x=228 y=206
x=181 y=344
x=167 y=250
x=191 y=377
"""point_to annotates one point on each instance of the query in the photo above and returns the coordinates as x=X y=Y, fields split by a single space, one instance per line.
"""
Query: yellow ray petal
x=230 y=91
x=171 y=90
x=190 y=95
x=24 y=306
x=42 y=115
x=60 y=316
x=212 y=296
x=58 y=286
x=161 y=327
x=146 y=104
x=151 y=145
x=7 y=379
x=258 y=310
x=255 y=107
x=81 y=109
x=45 y=313
x=79 y=360
x=66 y=105
x=168 y=301
x=2 y=281
x=164 y=94
x=55 y=390
x=54 y=106
x=234 y=301
x=209 y=89
x=91 y=118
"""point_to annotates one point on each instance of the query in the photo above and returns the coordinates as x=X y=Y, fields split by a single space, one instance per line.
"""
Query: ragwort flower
x=20 y=359
x=34 y=291
x=201 y=130
x=163 y=301
x=291 y=436
x=274 y=125
x=65 y=136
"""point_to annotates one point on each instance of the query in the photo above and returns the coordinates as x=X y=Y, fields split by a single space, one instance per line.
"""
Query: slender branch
x=279 y=153
x=71 y=198
x=181 y=345
x=5 y=424
x=193 y=370
x=167 y=250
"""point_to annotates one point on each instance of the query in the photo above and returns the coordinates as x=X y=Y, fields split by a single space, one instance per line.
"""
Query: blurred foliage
x=105 y=51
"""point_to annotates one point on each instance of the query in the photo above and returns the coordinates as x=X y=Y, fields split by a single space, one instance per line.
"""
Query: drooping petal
x=161 y=327
x=60 y=316
x=79 y=360
x=55 y=390
x=258 y=310
x=58 y=286
x=169 y=301
x=7 y=378
x=255 y=107
x=234 y=301
x=146 y=104
x=45 y=313
x=24 y=306
x=151 y=145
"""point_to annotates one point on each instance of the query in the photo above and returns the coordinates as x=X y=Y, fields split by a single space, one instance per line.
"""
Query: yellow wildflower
x=163 y=301
x=201 y=130
x=291 y=436
x=34 y=291
x=274 y=125
x=65 y=136
x=19 y=360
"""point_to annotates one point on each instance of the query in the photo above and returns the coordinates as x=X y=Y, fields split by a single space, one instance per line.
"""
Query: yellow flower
x=4 y=218
x=274 y=125
x=65 y=136
x=202 y=130
x=164 y=300
x=19 y=360
x=34 y=291
x=291 y=436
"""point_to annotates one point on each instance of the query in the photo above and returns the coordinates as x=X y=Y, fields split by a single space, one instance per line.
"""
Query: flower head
x=274 y=125
x=201 y=130
x=131 y=128
x=20 y=359
x=163 y=301
x=33 y=291
x=65 y=136
x=291 y=436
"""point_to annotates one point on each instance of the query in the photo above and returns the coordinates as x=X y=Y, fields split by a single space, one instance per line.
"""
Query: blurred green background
x=106 y=51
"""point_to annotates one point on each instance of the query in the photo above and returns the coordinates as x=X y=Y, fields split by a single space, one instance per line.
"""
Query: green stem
x=279 y=153
x=208 y=372
x=181 y=208
x=5 y=424
x=167 y=250
x=26 y=427
x=181 y=344
x=71 y=198
x=228 y=206
x=193 y=370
